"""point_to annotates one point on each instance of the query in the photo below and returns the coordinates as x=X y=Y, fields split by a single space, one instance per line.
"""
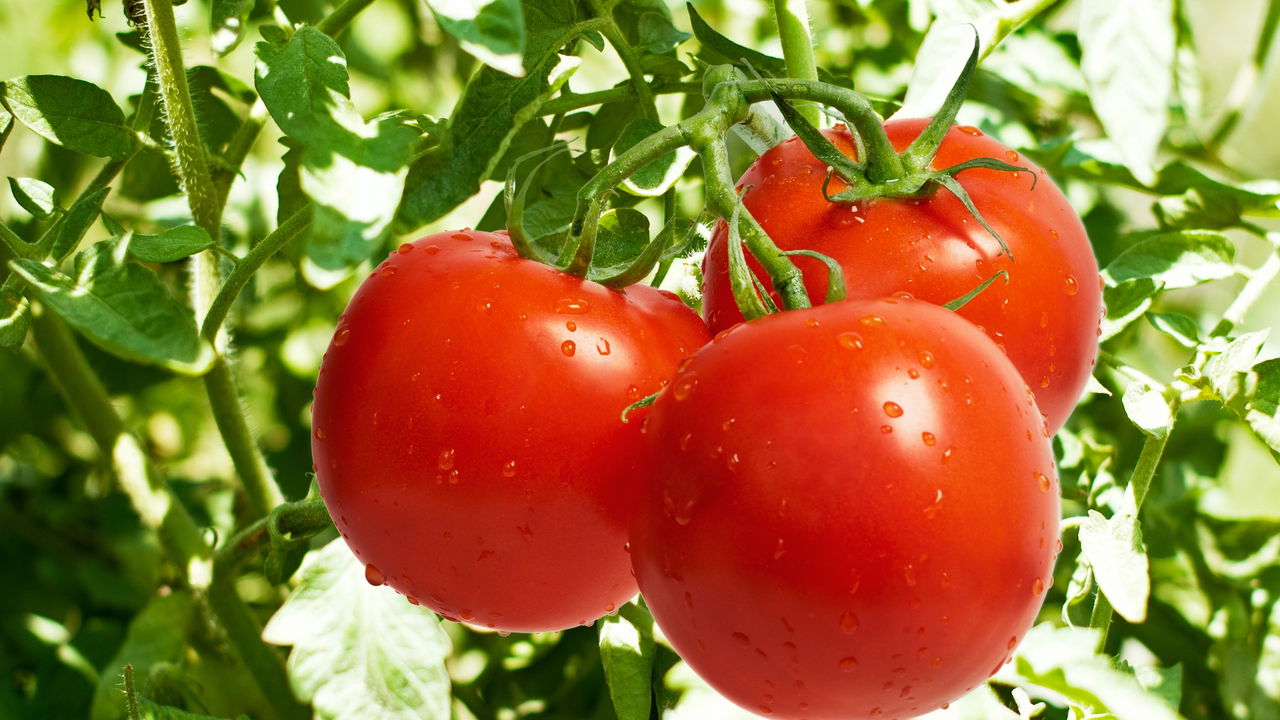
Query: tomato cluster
x=846 y=511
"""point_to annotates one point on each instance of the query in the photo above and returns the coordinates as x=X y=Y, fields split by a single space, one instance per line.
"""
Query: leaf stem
x=1252 y=291
x=248 y=266
x=228 y=413
x=10 y=241
x=797 y=48
x=629 y=59
x=1244 y=89
x=341 y=17
x=568 y=102
x=237 y=150
x=303 y=519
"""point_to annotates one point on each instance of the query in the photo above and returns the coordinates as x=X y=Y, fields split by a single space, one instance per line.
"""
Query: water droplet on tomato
x=568 y=347
x=970 y=130
x=405 y=248
x=509 y=469
x=872 y=320
x=742 y=639
x=914 y=602
x=780 y=549
x=764 y=709
x=1037 y=588
x=1043 y=481
x=1070 y=286
x=848 y=664
x=447 y=458
x=909 y=575
x=571 y=326
x=811 y=322
x=732 y=462
x=1013 y=642
x=797 y=354
x=684 y=387
x=341 y=335
x=849 y=340
x=928 y=438
x=373 y=575
x=893 y=409
x=886 y=429
x=848 y=622
x=572 y=306
x=388 y=271
x=431 y=249
x=913 y=373
x=684 y=513
x=1044 y=381
x=484 y=556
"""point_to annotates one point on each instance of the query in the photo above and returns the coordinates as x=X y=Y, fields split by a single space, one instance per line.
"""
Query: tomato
x=467 y=431
x=855 y=511
x=1046 y=317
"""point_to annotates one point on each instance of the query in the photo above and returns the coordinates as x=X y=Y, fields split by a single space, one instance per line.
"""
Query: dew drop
x=848 y=622
x=373 y=575
x=1044 y=381
x=1043 y=481
x=849 y=664
x=572 y=306
x=341 y=335
x=928 y=438
x=914 y=602
x=909 y=575
x=571 y=326
x=1037 y=588
x=509 y=469
x=886 y=429
x=926 y=359
x=893 y=409
x=970 y=130
x=684 y=387
x=849 y=340
x=568 y=347
x=913 y=373
x=780 y=549
x=742 y=639
x=447 y=459
x=1070 y=286
x=1013 y=156
x=405 y=248
x=431 y=249
x=1013 y=642
x=320 y=433
x=931 y=510
x=872 y=321
x=388 y=271
x=811 y=322
x=684 y=513
x=602 y=346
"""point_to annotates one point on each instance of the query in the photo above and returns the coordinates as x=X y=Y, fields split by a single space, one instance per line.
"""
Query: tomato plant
x=1046 y=316
x=467 y=429
x=855 y=511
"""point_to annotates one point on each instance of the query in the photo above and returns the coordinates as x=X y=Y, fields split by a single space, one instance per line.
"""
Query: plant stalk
x=797 y=48
x=244 y=270
x=337 y=21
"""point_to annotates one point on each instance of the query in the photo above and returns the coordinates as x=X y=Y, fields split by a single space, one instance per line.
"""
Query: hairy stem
x=245 y=269
x=259 y=484
x=797 y=48
x=301 y=519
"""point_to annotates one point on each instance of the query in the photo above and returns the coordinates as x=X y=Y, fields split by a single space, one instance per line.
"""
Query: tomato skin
x=855 y=511
x=1046 y=317
x=467 y=432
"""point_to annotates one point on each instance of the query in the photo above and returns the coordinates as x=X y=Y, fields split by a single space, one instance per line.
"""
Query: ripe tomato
x=855 y=511
x=467 y=435
x=1046 y=317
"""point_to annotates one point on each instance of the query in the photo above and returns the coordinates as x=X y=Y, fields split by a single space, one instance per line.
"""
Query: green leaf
x=227 y=21
x=154 y=711
x=1177 y=326
x=621 y=236
x=351 y=170
x=360 y=651
x=35 y=196
x=1148 y=409
x=157 y=634
x=6 y=125
x=491 y=30
x=658 y=176
x=15 y=316
x=75 y=114
x=647 y=26
x=492 y=109
x=627 y=651
x=64 y=237
x=1263 y=410
x=1175 y=259
x=1228 y=368
x=123 y=307
x=170 y=245
x=717 y=49
x=1059 y=664
x=1127 y=52
x=1125 y=303
x=1115 y=551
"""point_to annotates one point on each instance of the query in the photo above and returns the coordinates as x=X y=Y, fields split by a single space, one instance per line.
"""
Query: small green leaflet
x=1263 y=411
x=1177 y=326
x=75 y=114
x=623 y=233
x=227 y=19
x=647 y=26
x=1127 y=52
x=491 y=30
x=360 y=651
x=1148 y=409
x=35 y=196
x=1125 y=303
x=1176 y=259
x=64 y=236
x=123 y=307
x=169 y=246
x=627 y=651
x=658 y=176
x=1115 y=551
x=716 y=48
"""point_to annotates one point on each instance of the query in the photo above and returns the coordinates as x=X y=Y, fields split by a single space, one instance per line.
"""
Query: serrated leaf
x=65 y=236
x=1175 y=259
x=360 y=651
x=227 y=21
x=627 y=652
x=492 y=109
x=1127 y=53
x=1177 y=326
x=647 y=26
x=1061 y=664
x=15 y=316
x=1263 y=410
x=75 y=114
x=1125 y=303
x=1119 y=559
x=717 y=48
x=157 y=634
x=35 y=196
x=122 y=307
x=1229 y=367
x=170 y=245
x=1148 y=409
x=491 y=30
x=658 y=176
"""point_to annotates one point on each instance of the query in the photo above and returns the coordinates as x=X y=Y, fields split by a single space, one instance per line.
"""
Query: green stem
x=86 y=396
x=1013 y=16
x=567 y=103
x=722 y=199
x=338 y=20
x=259 y=484
x=797 y=48
x=642 y=153
x=245 y=269
x=630 y=60
x=13 y=244
x=301 y=519
x=1244 y=89
x=882 y=161
x=237 y=150
x=1252 y=290
x=1100 y=618
x=262 y=661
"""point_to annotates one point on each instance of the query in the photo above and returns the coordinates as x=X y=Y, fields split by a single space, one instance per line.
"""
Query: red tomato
x=1046 y=317
x=467 y=434
x=855 y=512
